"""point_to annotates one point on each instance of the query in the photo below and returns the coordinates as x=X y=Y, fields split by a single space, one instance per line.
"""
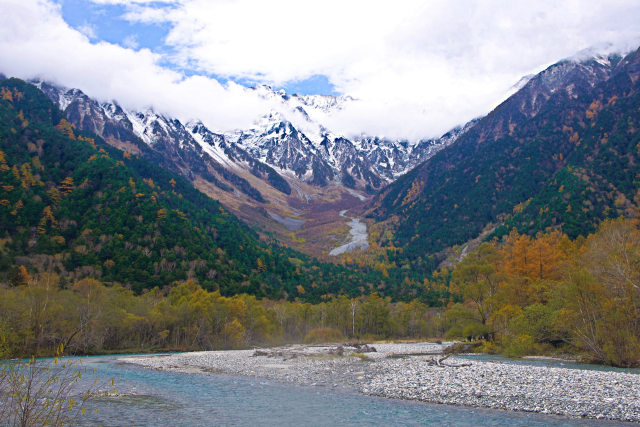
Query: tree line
x=87 y=317
x=545 y=294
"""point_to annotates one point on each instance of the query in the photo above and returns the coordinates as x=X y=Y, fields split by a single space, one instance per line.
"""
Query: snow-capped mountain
x=293 y=140
x=290 y=167
x=285 y=145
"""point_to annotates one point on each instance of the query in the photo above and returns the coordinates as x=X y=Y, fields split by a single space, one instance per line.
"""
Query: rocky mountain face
x=285 y=163
x=561 y=153
x=274 y=145
x=564 y=80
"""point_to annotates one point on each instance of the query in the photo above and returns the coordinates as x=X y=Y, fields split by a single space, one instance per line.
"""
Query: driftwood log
x=291 y=353
x=349 y=348
x=439 y=361
x=361 y=347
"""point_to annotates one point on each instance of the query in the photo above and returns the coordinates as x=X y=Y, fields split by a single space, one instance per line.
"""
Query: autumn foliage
x=550 y=294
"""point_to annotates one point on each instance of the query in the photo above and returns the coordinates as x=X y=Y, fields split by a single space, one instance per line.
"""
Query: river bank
x=406 y=371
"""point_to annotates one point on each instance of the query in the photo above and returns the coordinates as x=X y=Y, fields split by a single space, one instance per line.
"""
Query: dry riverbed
x=407 y=371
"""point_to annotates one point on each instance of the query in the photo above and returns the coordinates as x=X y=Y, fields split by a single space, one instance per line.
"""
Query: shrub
x=475 y=330
x=44 y=392
x=520 y=345
x=323 y=335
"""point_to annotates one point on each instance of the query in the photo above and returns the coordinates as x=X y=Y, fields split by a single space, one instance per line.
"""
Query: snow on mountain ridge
x=288 y=139
x=387 y=158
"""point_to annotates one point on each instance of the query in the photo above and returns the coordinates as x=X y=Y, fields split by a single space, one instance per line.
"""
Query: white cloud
x=60 y=54
x=416 y=67
x=131 y=42
x=88 y=30
x=129 y=2
x=147 y=14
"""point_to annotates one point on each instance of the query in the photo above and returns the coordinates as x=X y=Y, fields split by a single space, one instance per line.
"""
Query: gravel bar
x=404 y=371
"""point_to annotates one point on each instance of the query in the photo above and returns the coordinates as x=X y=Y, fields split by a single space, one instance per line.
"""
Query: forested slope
x=560 y=154
x=71 y=204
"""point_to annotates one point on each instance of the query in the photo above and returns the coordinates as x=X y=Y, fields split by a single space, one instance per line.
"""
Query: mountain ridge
x=273 y=168
x=511 y=154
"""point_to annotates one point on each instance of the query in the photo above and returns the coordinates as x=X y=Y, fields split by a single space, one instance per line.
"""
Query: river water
x=157 y=398
x=549 y=362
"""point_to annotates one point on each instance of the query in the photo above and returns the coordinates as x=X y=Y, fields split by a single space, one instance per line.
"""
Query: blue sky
x=106 y=22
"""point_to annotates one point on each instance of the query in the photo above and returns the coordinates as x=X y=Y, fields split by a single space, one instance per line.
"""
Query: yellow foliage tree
x=66 y=186
x=47 y=220
x=538 y=258
x=66 y=128
x=27 y=179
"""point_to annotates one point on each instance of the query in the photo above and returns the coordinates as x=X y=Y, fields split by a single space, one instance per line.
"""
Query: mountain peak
x=602 y=53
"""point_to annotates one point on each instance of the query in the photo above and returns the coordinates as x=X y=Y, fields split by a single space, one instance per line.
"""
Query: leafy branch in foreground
x=45 y=392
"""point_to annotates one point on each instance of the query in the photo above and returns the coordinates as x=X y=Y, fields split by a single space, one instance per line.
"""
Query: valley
x=319 y=213
x=287 y=165
x=307 y=219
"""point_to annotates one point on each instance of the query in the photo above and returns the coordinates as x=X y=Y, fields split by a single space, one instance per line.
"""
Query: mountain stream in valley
x=358 y=236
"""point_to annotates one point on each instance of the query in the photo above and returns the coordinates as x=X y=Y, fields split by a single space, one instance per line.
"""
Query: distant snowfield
x=292 y=224
x=357 y=195
x=359 y=238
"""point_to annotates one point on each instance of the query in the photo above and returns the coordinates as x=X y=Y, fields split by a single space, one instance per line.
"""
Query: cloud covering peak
x=415 y=68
